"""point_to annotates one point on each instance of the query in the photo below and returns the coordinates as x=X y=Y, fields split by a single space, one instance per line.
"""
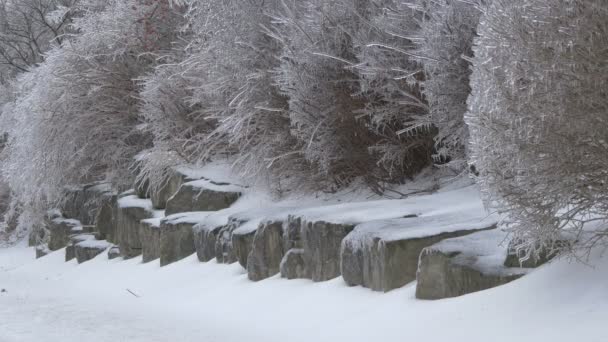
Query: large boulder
x=293 y=266
x=161 y=194
x=203 y=195
x=70 y=249
x=82 y=203
x=205 y=239
x=113 y=252
x=89 y=249
x=242 y=244
x=177 y=236
x=383 y=255
x=267 y=251
x=131 y=210
x=106 y=219
x=42 y=250
x=60 y=230
x=321 y=242
x=149 y=235
x=458 y=266
x=224 y=251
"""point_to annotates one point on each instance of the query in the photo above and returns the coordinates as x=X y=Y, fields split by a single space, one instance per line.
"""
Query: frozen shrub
x=538 y=117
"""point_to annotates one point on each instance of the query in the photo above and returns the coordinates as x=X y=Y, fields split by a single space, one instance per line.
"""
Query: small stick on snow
x=133 y=293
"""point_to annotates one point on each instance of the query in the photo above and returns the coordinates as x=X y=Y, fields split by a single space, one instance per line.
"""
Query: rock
x=113 y=252
x=70 y=249
x=514 y=256
x=458 y=266
x=177 y=236
x=293 y=265
x=202 y=195
x=82 y=203
x=105 y=219
x=205 y=238
x=150 y=239
x=131 y=210
x=292 y=237
x=267 y=251
x=60 y=230
x=42 y=250
x=383 y=255
x=142 y=189
x=161 y=195
x=242 y=243
x=321 y=244
x=224 y=253
x=89 y=249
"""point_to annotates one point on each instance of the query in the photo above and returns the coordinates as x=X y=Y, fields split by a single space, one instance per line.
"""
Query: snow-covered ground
x=50 y=300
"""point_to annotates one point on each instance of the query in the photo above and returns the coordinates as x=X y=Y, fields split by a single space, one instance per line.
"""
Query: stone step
x=383 y=255
x=42 y=250
x=458 y=266
x=113 y=252
x=177 y=236
x=149 y=235
x=89 y=249
x=60 y=230
x=70 y=249
x=202 y=195
x=130 y=212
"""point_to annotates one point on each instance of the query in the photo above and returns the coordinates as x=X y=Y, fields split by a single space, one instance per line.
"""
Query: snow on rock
x=131 y=210
x=177 y=235
x=89 y=249
x=383 y=255
x=463 y=265
x=60 y=230
x=81 y=203
x=70 y=249
x=202 y=195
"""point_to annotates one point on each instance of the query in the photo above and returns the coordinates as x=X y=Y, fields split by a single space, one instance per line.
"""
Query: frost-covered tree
x=316 y=75
x=28 y=28
x=390 y=76
x=230 y=105
x=76 y=114
x=538 y=117
x=445 y=41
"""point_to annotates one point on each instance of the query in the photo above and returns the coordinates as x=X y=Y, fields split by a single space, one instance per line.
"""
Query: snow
x=132 y=201
x=48 y=299
x=98 y=244
x=193 y=217
x=214 y=185
x=484 y=251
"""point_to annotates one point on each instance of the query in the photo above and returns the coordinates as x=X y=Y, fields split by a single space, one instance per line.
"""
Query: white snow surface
x=132 y=201
x=484 y=251
x=50 y=300
x=100 y=244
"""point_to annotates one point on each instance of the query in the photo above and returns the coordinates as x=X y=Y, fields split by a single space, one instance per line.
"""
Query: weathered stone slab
x=458 y=266
x=224 y=251
x=267 y=251
x=202 y=195
x=177 y=236
x=70 y=249
x=89 y=249
x=321 y=242
x=82 y=203
x=131 y=210
x=383 y=255
x=42 y=250
x=205 y=239
x=60 y=230
x=113 y=252
x=106 y=219
x=161 y=195
x=293 y=265
x=150 y=239
x=242 y=243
